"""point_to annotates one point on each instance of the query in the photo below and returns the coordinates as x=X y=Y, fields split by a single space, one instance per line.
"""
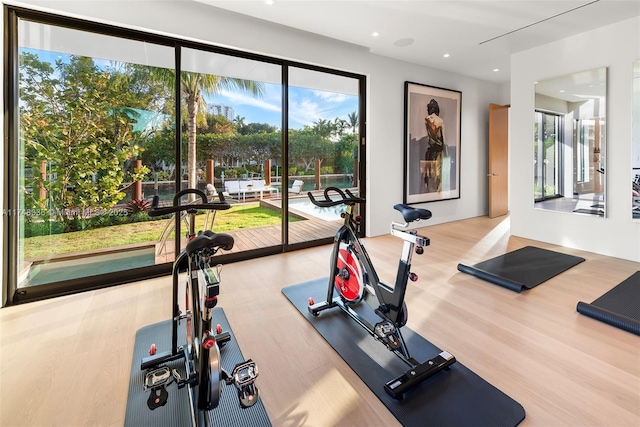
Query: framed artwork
x=432 y=143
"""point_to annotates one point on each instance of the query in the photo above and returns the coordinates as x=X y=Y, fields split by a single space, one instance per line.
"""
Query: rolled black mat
x=457 y=397
x=524 y=268
x=619 y=307
x=176 y=412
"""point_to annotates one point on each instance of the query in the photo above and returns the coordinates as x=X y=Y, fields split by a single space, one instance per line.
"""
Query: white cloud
x=330 y=96
x=305 y=112
x=245 y=99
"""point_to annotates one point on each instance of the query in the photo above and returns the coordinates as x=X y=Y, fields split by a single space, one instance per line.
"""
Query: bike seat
x=209 y=239
x=411 y=214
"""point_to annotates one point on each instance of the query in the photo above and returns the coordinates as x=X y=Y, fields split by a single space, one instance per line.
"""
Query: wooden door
x=498 y=175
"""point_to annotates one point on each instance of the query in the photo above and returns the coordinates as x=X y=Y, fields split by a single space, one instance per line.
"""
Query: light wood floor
x=66 y=361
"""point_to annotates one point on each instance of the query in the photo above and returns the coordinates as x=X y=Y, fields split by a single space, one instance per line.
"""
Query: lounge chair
x=260 y=185
x=296 y=187
x=212 y=193
x=241 y=189
x=235 y=189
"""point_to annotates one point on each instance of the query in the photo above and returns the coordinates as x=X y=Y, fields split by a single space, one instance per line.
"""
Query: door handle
x=492 y=174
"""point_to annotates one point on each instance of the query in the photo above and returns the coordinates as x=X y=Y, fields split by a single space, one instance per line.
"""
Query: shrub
x=138 y=205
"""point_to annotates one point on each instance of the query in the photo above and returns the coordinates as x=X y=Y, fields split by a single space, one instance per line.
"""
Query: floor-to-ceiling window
x=100 y=124
x=547 y=156
x=323 y=148
x=89 y=107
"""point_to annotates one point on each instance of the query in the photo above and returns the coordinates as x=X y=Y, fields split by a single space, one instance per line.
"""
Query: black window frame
x=12 y=14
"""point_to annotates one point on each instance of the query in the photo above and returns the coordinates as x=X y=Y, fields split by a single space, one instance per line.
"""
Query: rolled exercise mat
x=457 y=397
x=522 y=269
x=619 y=307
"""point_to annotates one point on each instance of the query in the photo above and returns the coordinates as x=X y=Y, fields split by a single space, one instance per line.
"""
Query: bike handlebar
x=348 y=199
x=177 y=207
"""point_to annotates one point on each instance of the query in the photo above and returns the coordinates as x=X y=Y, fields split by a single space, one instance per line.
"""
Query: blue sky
x=306 y=106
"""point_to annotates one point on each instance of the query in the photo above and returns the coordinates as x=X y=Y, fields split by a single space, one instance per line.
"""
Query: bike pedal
x=244 y=373
x=159 y=377
x=386 y=332
x=384 y=329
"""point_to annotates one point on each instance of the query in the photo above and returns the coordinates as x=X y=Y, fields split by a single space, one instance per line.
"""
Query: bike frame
x=386 y=301
x=200 y=301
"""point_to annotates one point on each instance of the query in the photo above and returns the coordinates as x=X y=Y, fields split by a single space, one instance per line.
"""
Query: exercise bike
x=203 y=373
x=354 y=279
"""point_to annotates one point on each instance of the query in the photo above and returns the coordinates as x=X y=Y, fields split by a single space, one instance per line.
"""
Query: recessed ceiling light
x=446 y=55
x=495 y=70
x=561 y=91
x=375 y=34
x=269 y=2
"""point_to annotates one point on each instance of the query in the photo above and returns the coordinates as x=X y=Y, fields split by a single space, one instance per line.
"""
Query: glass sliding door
x=547 y=156
x=102 y=119
x=232 y=142
x=92 y=111
x=324 y=134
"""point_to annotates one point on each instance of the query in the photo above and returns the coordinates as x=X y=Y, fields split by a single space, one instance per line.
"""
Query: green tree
x=306 y=147
x=254 y=128
x=345 y=149
x=353 y=121
x=339 y=127
x=75 y=119
x=218 y=124
x=194 y=86
x=323 y=128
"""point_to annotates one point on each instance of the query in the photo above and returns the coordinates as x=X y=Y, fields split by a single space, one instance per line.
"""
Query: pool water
x=306 y=207
x=59 y=271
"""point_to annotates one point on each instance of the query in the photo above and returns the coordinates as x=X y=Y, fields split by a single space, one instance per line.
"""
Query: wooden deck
x=263 y=237
x=299 y=231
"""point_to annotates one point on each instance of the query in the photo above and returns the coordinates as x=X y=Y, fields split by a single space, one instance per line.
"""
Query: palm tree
x=353 y=121
x=193 y=87
x=239 y=122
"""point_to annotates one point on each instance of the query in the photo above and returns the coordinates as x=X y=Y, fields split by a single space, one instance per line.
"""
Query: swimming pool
x=305 y=206
x=58 y=271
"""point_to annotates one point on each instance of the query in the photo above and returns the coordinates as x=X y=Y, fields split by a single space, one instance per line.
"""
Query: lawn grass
x=238 y=217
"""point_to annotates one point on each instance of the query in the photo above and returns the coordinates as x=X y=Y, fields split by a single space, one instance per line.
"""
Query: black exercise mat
x=523 y=268
x=457 y=397
x=176 y=411
x=619 y=307
x=589 y=211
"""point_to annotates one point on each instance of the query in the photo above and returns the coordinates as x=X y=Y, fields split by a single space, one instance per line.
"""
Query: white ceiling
x=479 y=35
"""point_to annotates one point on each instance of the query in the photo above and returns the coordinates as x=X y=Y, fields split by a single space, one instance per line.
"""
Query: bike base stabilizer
x=397 y=387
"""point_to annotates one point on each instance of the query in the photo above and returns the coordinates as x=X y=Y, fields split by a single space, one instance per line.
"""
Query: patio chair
x=260 y=186
x=211 y=192
x=296 y=187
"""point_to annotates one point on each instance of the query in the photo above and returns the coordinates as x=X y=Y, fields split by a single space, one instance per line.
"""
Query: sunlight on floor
x=495 y=238
x=331 y=380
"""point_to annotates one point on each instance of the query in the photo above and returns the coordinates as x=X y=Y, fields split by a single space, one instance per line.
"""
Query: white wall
x=616 y=46
x=385 y=79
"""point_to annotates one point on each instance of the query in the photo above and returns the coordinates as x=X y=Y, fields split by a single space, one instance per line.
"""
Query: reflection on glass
x=635 y=149
x=546 y=154
x=88 y=111
x=570 y=143
x=323 y=148
x=232 y=142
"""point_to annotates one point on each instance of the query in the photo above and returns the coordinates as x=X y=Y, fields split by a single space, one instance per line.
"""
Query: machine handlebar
x=178 y=207
x=346 y=198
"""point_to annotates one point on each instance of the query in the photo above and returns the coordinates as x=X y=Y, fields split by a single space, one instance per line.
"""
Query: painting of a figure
x=432 y=143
